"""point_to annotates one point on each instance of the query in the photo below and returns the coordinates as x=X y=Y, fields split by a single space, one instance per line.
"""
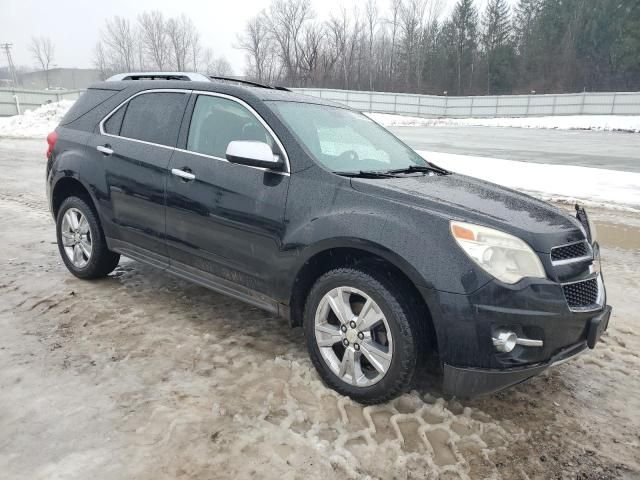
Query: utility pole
x=12 y=70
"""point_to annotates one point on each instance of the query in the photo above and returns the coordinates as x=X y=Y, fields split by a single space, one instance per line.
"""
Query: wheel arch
x=66 y=187
x=354 y=252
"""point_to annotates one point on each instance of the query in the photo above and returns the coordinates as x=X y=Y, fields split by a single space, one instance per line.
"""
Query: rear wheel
x=81 y=241
x=360 y=334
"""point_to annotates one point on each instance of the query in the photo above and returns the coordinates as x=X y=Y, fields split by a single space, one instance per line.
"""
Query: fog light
x=505 y=341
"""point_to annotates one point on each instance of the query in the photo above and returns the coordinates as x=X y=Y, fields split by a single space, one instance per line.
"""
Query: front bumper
x=471 y=382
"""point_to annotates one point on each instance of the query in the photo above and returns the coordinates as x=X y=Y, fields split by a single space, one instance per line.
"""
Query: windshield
x=345 y=141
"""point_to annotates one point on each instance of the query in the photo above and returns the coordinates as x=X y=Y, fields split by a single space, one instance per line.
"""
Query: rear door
x=228 y=219
x=136 y=143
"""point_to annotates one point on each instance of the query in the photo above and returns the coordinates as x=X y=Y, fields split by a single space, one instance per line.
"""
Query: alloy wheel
x=353 y=336
x=76 y=237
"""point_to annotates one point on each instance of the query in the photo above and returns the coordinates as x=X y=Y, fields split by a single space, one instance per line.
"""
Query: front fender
x=341 y=231
x=416 y=240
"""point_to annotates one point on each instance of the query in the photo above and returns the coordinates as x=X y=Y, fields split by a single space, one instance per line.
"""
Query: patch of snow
x=560 y=183
x=622 y=123
x=37 y=123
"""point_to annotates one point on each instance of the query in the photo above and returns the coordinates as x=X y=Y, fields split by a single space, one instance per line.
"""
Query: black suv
x=314 y=212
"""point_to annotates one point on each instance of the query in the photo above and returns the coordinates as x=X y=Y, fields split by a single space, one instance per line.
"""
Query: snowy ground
x=572 y=122
x=37 y=123
x=561 y=183
x=145 y=376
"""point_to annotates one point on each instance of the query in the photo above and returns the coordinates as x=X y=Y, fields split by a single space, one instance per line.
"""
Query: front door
x=225 y=220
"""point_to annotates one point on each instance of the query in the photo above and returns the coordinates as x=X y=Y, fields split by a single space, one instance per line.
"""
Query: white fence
x=14 y=101
x=623 y=103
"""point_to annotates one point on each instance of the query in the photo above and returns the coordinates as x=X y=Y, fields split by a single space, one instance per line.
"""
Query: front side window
x=216 y=121
x=154 y=117
x=343 y=140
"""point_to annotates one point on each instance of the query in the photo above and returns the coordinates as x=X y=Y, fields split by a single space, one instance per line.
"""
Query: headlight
x=503 y=256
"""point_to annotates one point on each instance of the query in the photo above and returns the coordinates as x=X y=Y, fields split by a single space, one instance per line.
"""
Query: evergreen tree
x=527 y=14
x=498 y=46
x=464 y=28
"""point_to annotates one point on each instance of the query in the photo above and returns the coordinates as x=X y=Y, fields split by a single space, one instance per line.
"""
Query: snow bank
x=571 y=122
x=35 y=123
x=561 y=183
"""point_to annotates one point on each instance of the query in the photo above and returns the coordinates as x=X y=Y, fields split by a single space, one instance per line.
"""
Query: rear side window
x=154 y=117
x=217 y=121
x=113 y=124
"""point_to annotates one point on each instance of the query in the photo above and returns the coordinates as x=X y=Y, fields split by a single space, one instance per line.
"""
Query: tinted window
x=112 y=126
x=217 y=121
x=154 y=117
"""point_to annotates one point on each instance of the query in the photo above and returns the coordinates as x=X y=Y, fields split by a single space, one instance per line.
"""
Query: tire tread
x=399 y=304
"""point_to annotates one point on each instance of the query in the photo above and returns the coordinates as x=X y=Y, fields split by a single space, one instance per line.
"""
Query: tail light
x=52 y=138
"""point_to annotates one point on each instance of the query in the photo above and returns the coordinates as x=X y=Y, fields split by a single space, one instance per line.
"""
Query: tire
x=100 y=261
x=402 y=338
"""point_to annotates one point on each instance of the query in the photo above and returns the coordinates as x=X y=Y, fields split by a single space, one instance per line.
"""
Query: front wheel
x=360 y=335
x=81 y=241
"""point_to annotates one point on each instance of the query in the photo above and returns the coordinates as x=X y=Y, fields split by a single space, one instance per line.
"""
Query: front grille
x=582 y=295
x=569 y=252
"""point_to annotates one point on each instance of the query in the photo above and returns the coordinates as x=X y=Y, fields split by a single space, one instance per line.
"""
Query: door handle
x=188 y=176
x=105 y=149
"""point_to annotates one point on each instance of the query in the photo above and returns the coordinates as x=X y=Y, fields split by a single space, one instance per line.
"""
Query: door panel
x=135 y=144
x=228 y=221
x=135 y=176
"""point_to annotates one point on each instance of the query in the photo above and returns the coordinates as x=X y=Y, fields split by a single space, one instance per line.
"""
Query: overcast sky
x=74 y=25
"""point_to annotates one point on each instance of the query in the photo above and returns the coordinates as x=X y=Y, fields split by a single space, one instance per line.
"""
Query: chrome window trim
x=262 y=122
x=110 y=114
x=200 y=92
x=584 y=258
x=600 y=300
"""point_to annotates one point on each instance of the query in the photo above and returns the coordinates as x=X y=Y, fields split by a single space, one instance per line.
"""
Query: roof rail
x=247 y=82
x=192 y=76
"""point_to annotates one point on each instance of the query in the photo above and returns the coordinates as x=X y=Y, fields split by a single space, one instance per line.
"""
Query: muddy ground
x=145 y=376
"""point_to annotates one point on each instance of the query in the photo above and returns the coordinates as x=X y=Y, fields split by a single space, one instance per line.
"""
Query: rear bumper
x=465 y=382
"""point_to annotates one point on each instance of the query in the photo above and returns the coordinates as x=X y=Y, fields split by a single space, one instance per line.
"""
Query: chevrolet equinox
x=314 y=212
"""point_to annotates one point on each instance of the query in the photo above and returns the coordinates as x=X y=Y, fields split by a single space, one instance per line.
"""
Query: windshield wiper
x=367 y=174
x=420 y=168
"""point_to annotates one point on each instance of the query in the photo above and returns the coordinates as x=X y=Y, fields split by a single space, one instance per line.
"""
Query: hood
x=459 y=197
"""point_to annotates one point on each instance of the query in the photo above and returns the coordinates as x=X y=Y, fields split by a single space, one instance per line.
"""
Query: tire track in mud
x=33 y=202
x=276 y=393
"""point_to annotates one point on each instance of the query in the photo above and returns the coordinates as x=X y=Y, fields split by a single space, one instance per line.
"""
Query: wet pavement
x=611 y=150
x=145 y=376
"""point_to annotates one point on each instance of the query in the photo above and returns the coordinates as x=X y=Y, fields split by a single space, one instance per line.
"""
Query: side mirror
x=254 y=154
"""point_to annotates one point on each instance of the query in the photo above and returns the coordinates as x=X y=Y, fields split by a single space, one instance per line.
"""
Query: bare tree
x=221 y=68
x=154 y=39
x=258 y=44
x=100 y=60
x=310 y=52
x=394 y=21
x=179 y=32
x=212 y=65
x=371 y=14
x=119 y=44
x=196 y=49
x=42 y=50
x=285 y=19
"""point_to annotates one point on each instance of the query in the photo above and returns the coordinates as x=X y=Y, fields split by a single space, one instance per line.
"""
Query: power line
x=12 y=69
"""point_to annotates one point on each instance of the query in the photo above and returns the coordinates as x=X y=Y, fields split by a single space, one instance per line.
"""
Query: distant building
x=67 y=78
